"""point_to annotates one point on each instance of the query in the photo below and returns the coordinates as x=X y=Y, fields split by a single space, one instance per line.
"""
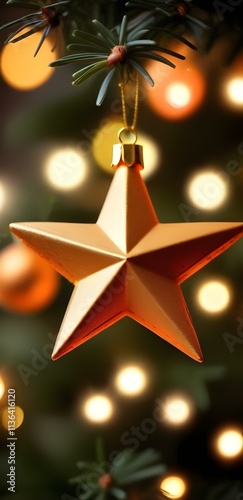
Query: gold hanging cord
x=129 y=130
x=128 y=152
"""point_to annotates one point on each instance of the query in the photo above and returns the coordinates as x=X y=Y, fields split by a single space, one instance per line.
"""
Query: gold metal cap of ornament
x=127 y=154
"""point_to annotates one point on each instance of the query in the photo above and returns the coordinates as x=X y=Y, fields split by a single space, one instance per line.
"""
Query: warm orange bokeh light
x=20 y=69
x=178 y=92
x=27 y=282
x=16 y=421
x=2 y=388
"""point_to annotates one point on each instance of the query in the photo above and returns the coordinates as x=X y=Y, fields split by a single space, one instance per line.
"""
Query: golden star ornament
x=128 y=264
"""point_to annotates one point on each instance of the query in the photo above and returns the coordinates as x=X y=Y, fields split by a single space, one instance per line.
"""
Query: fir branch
x=47 y=18
x=128 y=469
x=119 y=50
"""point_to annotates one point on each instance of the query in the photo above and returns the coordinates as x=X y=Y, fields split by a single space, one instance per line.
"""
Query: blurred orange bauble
x=27 y=282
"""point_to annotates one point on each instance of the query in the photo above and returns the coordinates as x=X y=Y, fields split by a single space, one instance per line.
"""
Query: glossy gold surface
x=127 y=154
x=128 y=264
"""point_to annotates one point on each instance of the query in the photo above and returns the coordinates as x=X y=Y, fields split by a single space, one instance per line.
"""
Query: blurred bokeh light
x=232 y=84
x=66 y=169
x=20 y=69
x=177 y=409
x=214 y=296
x=173 y=487
x=2 y=388
x=28 y=283
x=207 y=189
x=178 y=95
x=131 y=380
x=18 y=415
x=178 y=92
x=98 y=409
x=234 y=91
x=228 y=443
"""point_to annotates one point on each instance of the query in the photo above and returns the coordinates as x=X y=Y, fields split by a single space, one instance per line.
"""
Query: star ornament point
x=128 y=264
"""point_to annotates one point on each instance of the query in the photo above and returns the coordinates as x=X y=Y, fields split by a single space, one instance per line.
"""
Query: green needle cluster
x=122 y=49
x=127 y=470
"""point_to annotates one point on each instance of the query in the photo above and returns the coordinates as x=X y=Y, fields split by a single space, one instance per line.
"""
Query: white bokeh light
x=234 y=91
x=177 y=409
x=229 y=443
x=98 y=408
x=178 y=95
x=214 y=296
x=173 y=486
x=65 y=169
x=207 y=189
x=131 y=380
